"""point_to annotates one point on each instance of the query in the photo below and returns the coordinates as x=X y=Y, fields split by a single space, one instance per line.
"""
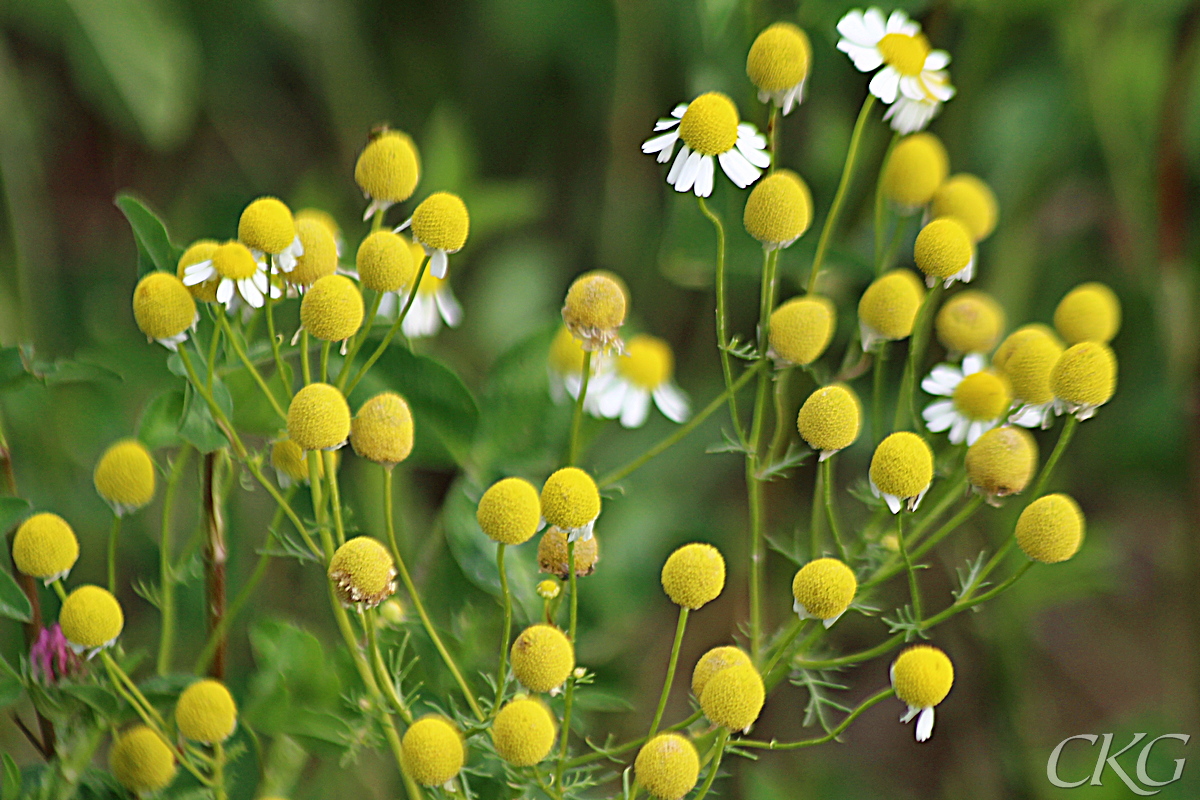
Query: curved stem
x=381 y=672
x=387 y=339
x=569 y=693
x=114 y=535
x=577 y=416
x=305 y=367
x=249 y=365
x=600 y=755
x=913 y=588
x=680 y=626
x=782 y=647
x=887 y=571
x=783 y=425
x=325 y=361
x=270 y=314
x=877 y=390
x=719 y=749
x=722 y=334
x=335 y=495
x=360 y=337
x=833 y=734
x=166 y=575
x=830 y=511
x=506 y=633
x=1064 y=439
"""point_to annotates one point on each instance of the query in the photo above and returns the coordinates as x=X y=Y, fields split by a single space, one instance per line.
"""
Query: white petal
x=885 y=84
x=755 y=155
x=852 y=27
x=897 y=21
x=924 y=724
x=865 y=59
x=388 y=304
x=911 y=87
x=704 y=181
x=893 y=503
x=937 y=59
x=447 y=303
x=423 y=318
x=972 y=363
x=750 y=134
x=912 y=711
x=665 y=124
x=225 y=291
x=677 y=167
x=938 y=410
x=198 y=272
x=612 y=398
x=978 y=429
x=636 y=408
x=739 y=170
x=938 y=85
x=679 y=110
x=438 y=262
x=958 y=431
x=664 y=142
x=687 y=176
x=874 y=24
x=936 y=423
x=261 y=281
x=672 y=402
x=250 y=293
x=946 y=376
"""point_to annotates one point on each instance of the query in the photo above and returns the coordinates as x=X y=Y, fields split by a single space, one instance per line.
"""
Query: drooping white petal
x=791 y=98
x=739 y=170
x=853 y=28
x=558 y=391
x=885 y=84
x=912 y=88
x=677 y=167
x=658 y=143
x=402 y=226
x=912 y=711
x=449 y=307
x=423 y=318
x=958 y=431
x=937 y=410
x=672 y=402
x=636 y=407
x=438 y=262
x=750 y=134
x=704 y=180
x=972 y=363
x=261 y=281
x=937 y=59
x=938 y=85
x=665 y=124
x=389 y=304
x=687 y=176
x=939 y=419
x=894 y=503
x=198 y=273
x=978 y=429
x=225 y=291
x=679 y=110
x=924 y=724
x=909 y=116
x=865 y=59
x=945 y=376
x=755 y=155
x=250 y=293
x=612 y=398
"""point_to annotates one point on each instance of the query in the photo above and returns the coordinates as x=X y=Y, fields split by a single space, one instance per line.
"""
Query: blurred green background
x=1084 y=116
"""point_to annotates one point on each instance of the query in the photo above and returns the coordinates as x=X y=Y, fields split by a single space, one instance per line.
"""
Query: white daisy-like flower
x=1035 y=415
x=909 y=116
x=978 y=399
x=911 y=69
x=709 y=127
x=565 y=371
x=440 y=224
x=284 y=260
x=644 y=374
x=242 y=276
x=434 y=304
x=922 y=677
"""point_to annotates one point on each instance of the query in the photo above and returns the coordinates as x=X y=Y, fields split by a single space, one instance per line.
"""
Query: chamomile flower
x=801 y=329
x=1083 y=379
x=901 y=471
x=433 y=750
x=922 y=676
x=385 y=264
x=141 y=761
x=888 y=308
x=325 y=220
x=594 y=311
x=1001 y=463
x=1051 y=529
x=332 y=309
x=91 y=619
x=290 y=466
x=523 y=733
x=778 y=210
x=434 y=304
x=387 y=171
x=916 y=168
x=45 y=547
x=164 y=309
x=978 y=399
x=1026 y=358
x=716 y=660
x=734 y=697
x=970 y=322
x=709 y=127
x=440 y=224
x=945 y=252
x=124 y=476
x=667 y=766
x=823 y=589
x=555 y=559
x=510 y=511
x=198 y=251
x=694 y=575
x=320 y=257
x=362 y=571
x=238 y=274
x=1090 y=312
x=644 y=373
x=778 y=65
x=267 y=227
x=830 y=419
x=565 y=367
x=206 y=712
x=571 y=501
x=542 y=658
x=969 y=200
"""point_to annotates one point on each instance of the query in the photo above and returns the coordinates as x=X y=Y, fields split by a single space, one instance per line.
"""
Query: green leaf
x=13 y=602
x=199 y=428
x=160 y=422
x=12 y=368
x=98 y=698
x=12 y=779
x=12 y=509
x=150 y=234
x=11 y=690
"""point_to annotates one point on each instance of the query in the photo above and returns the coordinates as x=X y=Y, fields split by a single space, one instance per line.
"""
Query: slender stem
x=335 y=495
x=839 y=197
x=913 y=588
x=830 y=511
x=506 y=633
x=387 y=339
x=815 y=516
x=1064 y=439
x=905 y=405
x=214 y=408
x=305 y=366
x=600 y=755
x=270 y=313
x=577 y=416
x=381 y=672
x=881 y=205
x=253 y=370
x=219 y=792
x=970 y=601
x=784 y=423
x=887 y=571
x=718 y=749
x=722 y=335
x=166 y=575
x=215 y=556
x=114 y=535
x=569 y=693
x=213 y=348
x=833 y=734
x=773 y=135
x=680 y=626
x=360 y=337
x=782 y=647
x=878 y=369
x=325 y=361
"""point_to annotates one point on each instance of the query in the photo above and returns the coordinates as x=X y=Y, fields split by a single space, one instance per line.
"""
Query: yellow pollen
x=1090 y=312
x=779 y=58
x=943 y=248
x=825 y=588
x=694 y=575
x=982 y=396
x=332 y=309
x=779 y=209
x=1085 y=375
x=969 y=200
x=667 y=766
x=709 y=126
x=970 y=322
x=801 y=329
x=830 y=418
x=441 y=222
x=922 y=676
x=716 y=660
x=385 y=262
x=906 y=54
x=233 y=260
x=902 y=465
x=320 y=256
x=649 y=363
x=889 y=305
x=1051 y=529
x=388 y=167
x=162 y=306
x=1027 y=358
x=1002 y=461
x=267 y=225
x=570 y=499
x=914 y=171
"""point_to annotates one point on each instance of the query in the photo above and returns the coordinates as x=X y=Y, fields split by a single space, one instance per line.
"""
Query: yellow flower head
x=1051 y=529
x=970 y=322
x=554 y=558
x=318 y=418
x=667 y=766
x=1002 y=461
x=716 y=660
x=1090 y=312
x=332 y=309
x=823 y=589
x=523 y=732
x=324 y=218
x=201 y=250
x=320 y=257
x=542 y=658
x=433 y=751
x=983 y=396
x=594 y=311
x=830 y=419
x=734 y=697
x=385 y=262
x=441 y=222
x=206 y=712
x=570 y=500
x=778 y=210
x=388 y=168
x=889 y=306
x=45 y=547
x=267 y=226
x=288 y=459
x=943 y=248
x=970 y=201
x=694 y=575
x=141 y=761
x=162 y=306
x=802 y=328
x=779 y=58
x=124 y=476
x=917 y=167
x=383 y=430
x=362 y=571
x=548 y=589
x=1020 y=336
x=509 y=511
x=902 y=465
x=922 y=676
x=566 y=353
x=234 y=260
x=1085 y=376
x=91 y=618
x=648 y=363
x=1026 y=358
x=709 y=126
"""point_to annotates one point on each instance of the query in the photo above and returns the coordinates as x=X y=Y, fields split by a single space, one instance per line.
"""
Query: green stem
x=219 y=792
x=577 y=416
x=305 y=366
x=722 y=324
x=213 y=345
x=913 y=588
x=335 y=495
x=830 y=511
x=359 y=338
x=815 y=516
x=839 y=197
x=270 y=304
x=1064 y=439
x=829 y=737
x=887 y=571
x=325 y=361
x=719 y=750
x=114 y=535
x=258 y=378
x=905 y=405
x=783 y=423
x=166 y=575
x=680 y=626
x=506 y=598
x=569 y=693
x=387 y=339
x=782 y=647
x=381 y=672
x=600 y=755
x=878 y=370
x=881 y=206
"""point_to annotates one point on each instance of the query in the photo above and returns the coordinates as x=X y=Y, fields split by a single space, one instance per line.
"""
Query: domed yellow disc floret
x=916 y=168
x=570 y=499
x=554 y=558
x=318 y=417
x=141 y=761
x=594 y=310
x=523 y=732
x=922 y=676
x=802 y=328
x=969 y=200
x=709 y=126
x=1090 y=312
x=509 y=511
x=1020 y=336
x=734 y=697
x=830 y=418
x=542 y=658
x=667 y=766
x=1002 y=461
x=779 y=209
x=45 y=547
x=548 y=589
x=982 y=396
x=91 y=618
x=441 y=222
x=779 y=57
x=288 y=458
x=824 y=589
x=648 y=363
x=234 y=260
x=1051 y=529
x=124 y=476
x=320 y=257
x=905 y=53
x=321 y=217
x=566 y=353
x=943 y=248
x=332 y=309
x=267 y=225
x=1026 y=358
x=388 y=168
x=385 y=262
x=433 y=751
x=970 y=322
x=201 y=250
x=362 y=571
x=162 y=306
x=694 y=575
x=1085 y=375
x=902 y=465
x=206 y=712
x=383 y=430
x=889 y=306
x=714 y=661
